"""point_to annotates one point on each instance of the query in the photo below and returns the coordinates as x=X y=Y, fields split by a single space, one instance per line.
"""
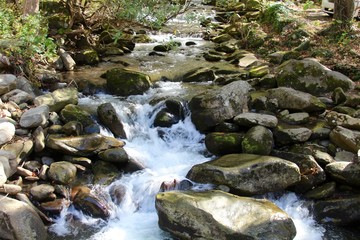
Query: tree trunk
x=31 y=6
x=343 y=13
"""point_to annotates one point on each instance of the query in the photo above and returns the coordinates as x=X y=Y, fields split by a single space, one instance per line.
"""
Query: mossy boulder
x=289 y=134
x=220 y=215
x=247 y=174
x=125 y=82
x=310 y=76
x=346 y=139
x=58 y=99
x=220 y=143
x=199 y=75
x=258 y=140
x=105 y=173
x=62 y=172
x=73 y=112
x=107 y=114
x=87 y=56
x=114 y=155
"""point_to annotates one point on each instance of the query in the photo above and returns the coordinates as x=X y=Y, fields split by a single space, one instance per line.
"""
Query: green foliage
x=152 y=13
x=277 y=15
x=308 y=5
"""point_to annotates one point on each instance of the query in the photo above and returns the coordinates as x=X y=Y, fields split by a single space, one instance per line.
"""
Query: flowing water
x=166 y=153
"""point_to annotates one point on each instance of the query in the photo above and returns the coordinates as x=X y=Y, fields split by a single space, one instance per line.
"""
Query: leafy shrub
x=277 y=15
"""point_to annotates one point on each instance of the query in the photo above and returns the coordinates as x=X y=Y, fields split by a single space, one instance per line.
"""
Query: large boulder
x=84 y=145
x=7 y=83
x=73 y=112
x=35 y=117
x=344 y=172
x=247 y=174
x=310 y=76
x=343 y=211
x=212 y=107
x=220 y=215
x=125 y=82
x=108 y=116
x=58 y=99
x=19 y=221
x=288 y=134
x=291 y=99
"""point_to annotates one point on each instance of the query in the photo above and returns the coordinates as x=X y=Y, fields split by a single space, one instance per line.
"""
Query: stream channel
x=166 y=156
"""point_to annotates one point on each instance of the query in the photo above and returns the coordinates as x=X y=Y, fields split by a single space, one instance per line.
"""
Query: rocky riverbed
x=270 y=125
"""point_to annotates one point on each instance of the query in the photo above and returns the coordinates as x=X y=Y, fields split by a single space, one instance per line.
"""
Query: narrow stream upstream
x=166 y=153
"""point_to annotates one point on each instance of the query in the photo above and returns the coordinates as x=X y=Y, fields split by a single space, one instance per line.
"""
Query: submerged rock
x=247 y=174
x=219 y=215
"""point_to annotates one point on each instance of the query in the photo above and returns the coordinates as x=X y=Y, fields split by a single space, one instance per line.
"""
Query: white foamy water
x=165 y=158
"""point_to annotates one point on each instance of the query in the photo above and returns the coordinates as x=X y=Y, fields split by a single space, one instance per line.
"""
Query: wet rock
x=310 y=76
x=215 y=106
x=39 y=139
x=42 y=192
x=221 y=38
x=114 y=155
x=220 y=143
x=343 y=211
x=258 y=140
x=344 y=172
x=288 y=98
x=83 y=161
x=62 y=172
x=90 y=203
x=67 y=60
x=104 y=173
x=117 y=193
x=84 y=145
x=199 y=75
x=87 y=56
x=215 y=218
x=58 y=99
x=321 y=192
x=72 y=128
x=108 y=116
x=35 y=117
x=17 y=96
x=176 y=107
x=311 y=172
x=92 y=128
x=346 y=139
x=7 y=83
x=19 y=221
x=250 y=119
x=73 y=112
x=259 y=71
x=289 y=134
x=55 y=206
x=7 y=132
x=165 y=119
x=246 y=174
x=124 y=82
x=211 y=57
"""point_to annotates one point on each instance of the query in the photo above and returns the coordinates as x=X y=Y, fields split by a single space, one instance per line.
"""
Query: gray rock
x=7 y=83
x=214 y=106
x=39 y=139
x=247 y=174
x=62 y=172
x=68 y=61
x=323 y=158
x=321 y=192
x=258 y=140
x=3 y=177
x=344 y=172
x=342 y=211
x=20 y=150
x=19 y=221
x=72 y=128
x=35 y=117
x=310 y=76
x=58 y=99
x=42 y=192
x=84 y=145
x=4 y=161
x=289 y=134
x=108 y=116
x=346 y=139
x=288 y=98
x=212 y=215
x=335 y=119
x=296 y=118
x=250 y=119
x=17 y=96
x=23 y=84
x=7 y=132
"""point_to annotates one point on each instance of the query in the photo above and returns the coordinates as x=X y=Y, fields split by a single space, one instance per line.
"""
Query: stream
x=166 y=153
